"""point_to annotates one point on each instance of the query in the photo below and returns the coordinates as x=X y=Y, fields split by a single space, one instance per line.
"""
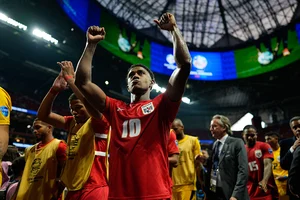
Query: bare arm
x=4 y=136
x=267 y=169
x=94 y=94
x=68 y=73
x=180 y=75
x=267 y=174
x=45 y=110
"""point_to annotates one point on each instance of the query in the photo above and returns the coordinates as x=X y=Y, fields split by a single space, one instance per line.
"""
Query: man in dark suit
x=288 y=151
x=227 y=171
x=294 y=175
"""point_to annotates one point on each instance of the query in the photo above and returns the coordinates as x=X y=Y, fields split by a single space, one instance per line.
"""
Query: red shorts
x=100 y=193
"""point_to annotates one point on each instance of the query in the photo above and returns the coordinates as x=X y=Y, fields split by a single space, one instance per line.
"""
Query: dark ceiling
x=28 y=66
x=209 y=24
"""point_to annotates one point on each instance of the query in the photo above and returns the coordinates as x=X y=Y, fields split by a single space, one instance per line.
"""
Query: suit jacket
x=286 y=156
x=233 y=170
x=294 y=173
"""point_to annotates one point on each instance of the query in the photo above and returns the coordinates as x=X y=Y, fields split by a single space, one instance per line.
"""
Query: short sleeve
x=61 y=154
x=68 y=121
x=267 y=151
x=197 y=147
x=173 y=144
x=5 y=107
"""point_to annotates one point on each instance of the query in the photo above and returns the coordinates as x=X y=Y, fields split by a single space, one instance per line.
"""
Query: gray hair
x=225 y=122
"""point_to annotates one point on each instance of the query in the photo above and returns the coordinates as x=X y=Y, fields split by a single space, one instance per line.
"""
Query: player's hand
x=166 y=22
x=201 y=158
x=67 y=70
x=233 y=198
x=59 y=83
x=296 y=144
x=263 y=185
x=95 y=34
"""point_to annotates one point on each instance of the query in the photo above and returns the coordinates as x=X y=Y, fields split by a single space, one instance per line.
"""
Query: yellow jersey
x=5 y=107
x=278 y=171
x=184 y=175
x=39 y=176
x=80 y=157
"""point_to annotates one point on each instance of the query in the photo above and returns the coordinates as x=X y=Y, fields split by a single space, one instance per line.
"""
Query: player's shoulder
x=262 y=144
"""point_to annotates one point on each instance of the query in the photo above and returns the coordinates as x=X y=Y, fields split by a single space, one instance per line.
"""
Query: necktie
x=216 y=155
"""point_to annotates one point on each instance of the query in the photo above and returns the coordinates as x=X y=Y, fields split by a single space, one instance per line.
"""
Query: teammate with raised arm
x=141 y=129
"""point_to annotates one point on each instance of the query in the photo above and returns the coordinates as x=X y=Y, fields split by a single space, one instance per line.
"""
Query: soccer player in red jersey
x=261 y=184
x=84 y=174
x=140 y=130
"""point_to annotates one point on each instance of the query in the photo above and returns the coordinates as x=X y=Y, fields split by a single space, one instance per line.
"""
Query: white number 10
x=134 y=128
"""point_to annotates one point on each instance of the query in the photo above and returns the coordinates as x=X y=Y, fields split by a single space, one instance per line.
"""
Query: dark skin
x=139 y=82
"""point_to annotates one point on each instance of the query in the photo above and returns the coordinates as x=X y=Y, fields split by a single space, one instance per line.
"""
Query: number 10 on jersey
x=131 y=128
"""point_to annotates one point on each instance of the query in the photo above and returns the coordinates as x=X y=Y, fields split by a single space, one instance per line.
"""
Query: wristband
x=53 y=91
x=67 y=77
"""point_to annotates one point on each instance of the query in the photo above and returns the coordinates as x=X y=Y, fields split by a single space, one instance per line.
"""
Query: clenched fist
x=166 y=22
x=95 y=34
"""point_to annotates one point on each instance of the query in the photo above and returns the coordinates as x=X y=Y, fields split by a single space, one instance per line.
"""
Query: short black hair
x=72 y=97
x=248 y=127
x=273 y=133
x=143 y=66
x=296 y=118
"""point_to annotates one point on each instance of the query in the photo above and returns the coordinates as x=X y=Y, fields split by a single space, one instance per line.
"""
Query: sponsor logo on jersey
x=4 y=110
x=148 y=108
x=258 y=153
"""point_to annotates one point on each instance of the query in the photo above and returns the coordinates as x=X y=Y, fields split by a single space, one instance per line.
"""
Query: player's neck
x=180 y=136
x=275 y=147
x=47 y=139
x=137 y=97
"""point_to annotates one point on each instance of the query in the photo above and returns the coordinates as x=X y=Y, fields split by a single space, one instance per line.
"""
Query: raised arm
x=94 y=94
x=45 y=110
x=68 y=74
x=179 y=77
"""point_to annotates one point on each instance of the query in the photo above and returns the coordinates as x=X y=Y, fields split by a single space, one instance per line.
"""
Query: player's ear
x=151 y=84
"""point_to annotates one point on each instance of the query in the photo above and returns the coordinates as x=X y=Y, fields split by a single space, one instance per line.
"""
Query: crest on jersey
x=270 y=150
x=148 y=108
x=258 y=153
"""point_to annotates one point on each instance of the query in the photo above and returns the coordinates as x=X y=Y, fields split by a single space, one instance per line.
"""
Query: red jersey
x=172 y=149
x=173 y=144
x=256 y=156
x=98 y=172
x=139 y=147
x=61 y=155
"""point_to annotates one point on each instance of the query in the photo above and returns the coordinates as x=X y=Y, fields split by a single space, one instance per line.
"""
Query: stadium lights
x=12 y=22
x=157 y=88
x=41 y=34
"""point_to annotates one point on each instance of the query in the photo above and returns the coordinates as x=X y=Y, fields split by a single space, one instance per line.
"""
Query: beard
x=251 y=143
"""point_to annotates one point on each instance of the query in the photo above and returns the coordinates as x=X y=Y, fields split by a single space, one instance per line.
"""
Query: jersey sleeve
x=170 y=108
x=68 y=120
x=197 y=148
x=267 y=151
x=173 y=144
x=61 y=152
x=109 y=108
x=100 y=125
x=5 y=107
